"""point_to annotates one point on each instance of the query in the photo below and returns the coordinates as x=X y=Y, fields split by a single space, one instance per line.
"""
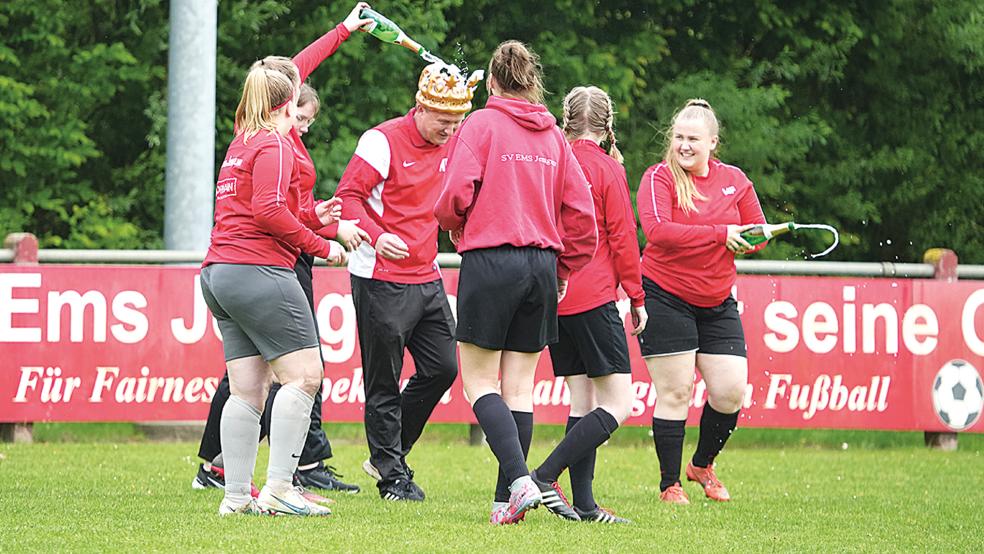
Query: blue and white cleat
x=289 y=501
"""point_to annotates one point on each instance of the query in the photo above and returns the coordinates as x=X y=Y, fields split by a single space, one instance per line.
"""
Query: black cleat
x=600 y=515
x=554 y=499
x=208 y=479
x=324 y=477
x=400 y=489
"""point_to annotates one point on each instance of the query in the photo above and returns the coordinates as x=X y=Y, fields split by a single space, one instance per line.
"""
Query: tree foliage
x=864 y=115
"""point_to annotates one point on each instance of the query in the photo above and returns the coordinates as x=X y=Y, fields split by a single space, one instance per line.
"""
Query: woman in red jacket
x=592 y=353
x=693 y=209
x=312 y=471
x=519 y=208
x=253 y=293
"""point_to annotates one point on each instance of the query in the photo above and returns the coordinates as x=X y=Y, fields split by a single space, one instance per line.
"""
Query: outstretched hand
x=354 y=21
x=350 y=234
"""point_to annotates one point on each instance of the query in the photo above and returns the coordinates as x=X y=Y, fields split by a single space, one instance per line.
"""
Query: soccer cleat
x=524 y=498
x=400 y=489
x=289 y=501
x=713 y=487
x=311 y=496
x=674 y=495
x=323 y=477
x=250 y=508
x=554 y=499
x=600 y=515
x=215 y=478
x=371 y=470
x=208 y=478
x=500 y=513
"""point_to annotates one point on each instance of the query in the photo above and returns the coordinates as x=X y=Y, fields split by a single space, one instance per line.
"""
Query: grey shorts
x=261 y=310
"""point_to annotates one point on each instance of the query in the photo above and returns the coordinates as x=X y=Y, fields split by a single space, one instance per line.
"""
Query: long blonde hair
x=686 y=190
x=265 y=93
x=590 y=110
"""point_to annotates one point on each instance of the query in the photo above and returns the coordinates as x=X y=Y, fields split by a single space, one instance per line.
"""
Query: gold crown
x=445 y=89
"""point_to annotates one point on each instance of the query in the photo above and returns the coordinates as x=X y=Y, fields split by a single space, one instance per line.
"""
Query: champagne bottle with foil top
x=387 y=31
x=765 y=231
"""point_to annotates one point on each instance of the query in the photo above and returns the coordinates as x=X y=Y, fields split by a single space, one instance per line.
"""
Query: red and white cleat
x=713 y=487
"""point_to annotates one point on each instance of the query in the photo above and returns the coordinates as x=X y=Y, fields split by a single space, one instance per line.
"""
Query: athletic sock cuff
x=607 y=420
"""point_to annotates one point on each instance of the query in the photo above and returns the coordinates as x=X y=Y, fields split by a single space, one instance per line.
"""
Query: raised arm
x=307 y=60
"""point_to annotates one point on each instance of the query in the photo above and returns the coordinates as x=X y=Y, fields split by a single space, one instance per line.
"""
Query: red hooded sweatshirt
x=686 y=253
x=512 y=178
x=617 y=259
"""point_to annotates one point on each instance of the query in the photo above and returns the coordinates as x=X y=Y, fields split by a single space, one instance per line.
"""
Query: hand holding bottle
x=354 y=20
x=734 y=241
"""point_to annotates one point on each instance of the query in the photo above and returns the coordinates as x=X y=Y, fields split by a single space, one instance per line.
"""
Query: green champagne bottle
x=387 y=31
x=763 y=232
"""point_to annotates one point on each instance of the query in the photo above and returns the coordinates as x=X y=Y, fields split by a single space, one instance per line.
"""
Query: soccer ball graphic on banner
x=958 y=395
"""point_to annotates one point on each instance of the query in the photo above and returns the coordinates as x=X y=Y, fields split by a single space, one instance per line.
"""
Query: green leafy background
x=863 y=114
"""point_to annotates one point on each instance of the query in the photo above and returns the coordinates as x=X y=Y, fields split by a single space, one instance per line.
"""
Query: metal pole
x=190 y=125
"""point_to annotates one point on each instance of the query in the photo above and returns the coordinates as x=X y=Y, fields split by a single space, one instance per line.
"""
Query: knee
x=675 y=396
x=620 y=409
x=308 y=381
x=447 y=375
x=727 y=402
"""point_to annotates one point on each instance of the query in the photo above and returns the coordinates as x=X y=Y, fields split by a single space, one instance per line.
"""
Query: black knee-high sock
x=668 y=437
x=524 y=424
x=715 y=429
x=593 y=429
x=502 y=435
x=582 y=476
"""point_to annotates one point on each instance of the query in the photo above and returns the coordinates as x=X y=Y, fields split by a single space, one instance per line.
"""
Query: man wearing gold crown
x=390 y=186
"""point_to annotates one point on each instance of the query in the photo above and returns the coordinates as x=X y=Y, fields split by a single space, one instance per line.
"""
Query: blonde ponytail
x=265 y=92
x=589 y=110
x=686 y=189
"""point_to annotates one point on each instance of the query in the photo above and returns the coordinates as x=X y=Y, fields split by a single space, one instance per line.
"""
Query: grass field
x=110 y=490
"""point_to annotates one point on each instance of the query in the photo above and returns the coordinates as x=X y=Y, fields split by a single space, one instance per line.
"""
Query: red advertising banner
x=136 y=343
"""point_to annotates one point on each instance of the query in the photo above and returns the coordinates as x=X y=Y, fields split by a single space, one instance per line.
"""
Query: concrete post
x=25 y=247
x=945 y=269
x=189 y=196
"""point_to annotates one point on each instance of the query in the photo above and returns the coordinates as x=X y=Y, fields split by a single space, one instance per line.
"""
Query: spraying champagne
x=765 y=231
x=387 y=31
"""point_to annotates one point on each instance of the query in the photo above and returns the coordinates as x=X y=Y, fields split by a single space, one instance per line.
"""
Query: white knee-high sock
x=240 y=426
x=290 y=418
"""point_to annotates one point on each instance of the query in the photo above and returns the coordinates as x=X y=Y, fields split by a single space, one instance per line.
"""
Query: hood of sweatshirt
x=534 y=117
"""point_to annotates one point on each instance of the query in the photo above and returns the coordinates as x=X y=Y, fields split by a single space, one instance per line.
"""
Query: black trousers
x=316 y=445
x=392 y=318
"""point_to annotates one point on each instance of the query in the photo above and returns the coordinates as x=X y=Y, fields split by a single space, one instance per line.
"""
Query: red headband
x=277 y=107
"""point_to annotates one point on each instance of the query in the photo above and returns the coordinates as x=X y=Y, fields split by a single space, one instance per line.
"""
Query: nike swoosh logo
x=300 y=510
x=408 y=164
x=295 y=455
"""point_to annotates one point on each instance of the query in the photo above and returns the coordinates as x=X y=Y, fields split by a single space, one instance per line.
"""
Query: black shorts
x=676 y=326
x=507 y=298
x=592 y=343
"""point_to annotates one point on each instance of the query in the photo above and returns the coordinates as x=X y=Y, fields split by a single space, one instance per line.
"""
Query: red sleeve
x=461 y=179
x=328 y=231
x=620 y=226
x=656 y=215
x=271 y=181
x=577 y=218
x=355 y=188
x=751 y=211
x=307 y=60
